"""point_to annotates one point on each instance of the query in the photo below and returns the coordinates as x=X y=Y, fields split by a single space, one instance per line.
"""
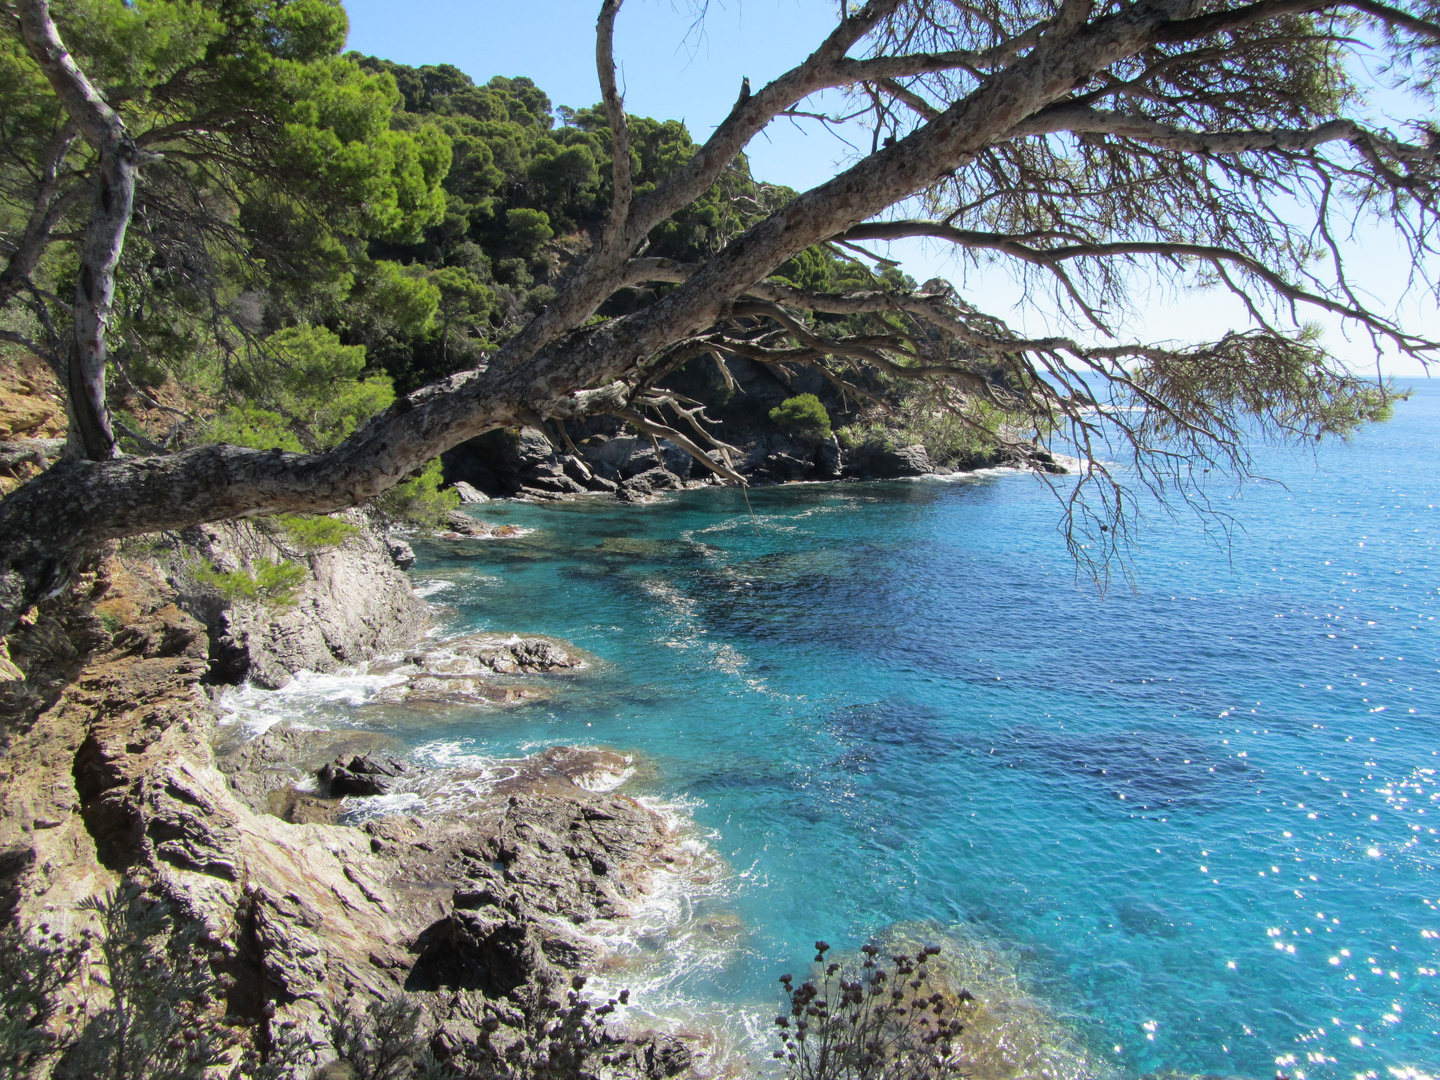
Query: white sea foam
x=308 y=700
x=604 y=782
x=427 y=589
x=358 y=809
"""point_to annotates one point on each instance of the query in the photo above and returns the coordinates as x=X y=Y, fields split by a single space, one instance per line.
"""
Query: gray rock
x=533 y=445
x=469 y=493
x=630 y=455
x=353 y=603
x=601 y=483
x=462 y=523
x=637 y=487
x=653 y=480
x=401 y=553
x=364 y=775
x=876 y=461
x=550 y=476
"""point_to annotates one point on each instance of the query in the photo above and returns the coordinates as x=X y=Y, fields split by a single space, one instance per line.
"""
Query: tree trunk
x=91 y=436
x=114 y=196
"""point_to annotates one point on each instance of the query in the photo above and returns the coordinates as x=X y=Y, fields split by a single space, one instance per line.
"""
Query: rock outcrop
x=475 y=908
x=353 y=603
x=603 y=456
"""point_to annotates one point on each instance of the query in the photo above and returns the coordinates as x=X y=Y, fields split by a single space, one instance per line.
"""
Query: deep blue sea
x=1193 y=822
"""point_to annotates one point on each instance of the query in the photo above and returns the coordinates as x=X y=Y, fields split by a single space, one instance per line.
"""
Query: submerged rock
x=479 y=668
x=499 y=654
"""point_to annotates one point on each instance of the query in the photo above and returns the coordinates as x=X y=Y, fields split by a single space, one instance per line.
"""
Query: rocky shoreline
x=323 y=870
x=117 y=771
x=605 y=460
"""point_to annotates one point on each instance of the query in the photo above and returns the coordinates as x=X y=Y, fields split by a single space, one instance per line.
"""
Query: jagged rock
x=468 y=493
x=601 y=483
x=550 y=476
x=458 y=521
x=479 y=950
x=497 y=654
x=401 y=553
x=263 y=771
x=1044 y=461
x=353 y=603
x=876 y=461
x=364 y=775
x=113 y=777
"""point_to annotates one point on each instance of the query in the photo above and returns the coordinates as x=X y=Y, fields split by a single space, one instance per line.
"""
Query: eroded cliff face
x=109 y=776
x=352 y=604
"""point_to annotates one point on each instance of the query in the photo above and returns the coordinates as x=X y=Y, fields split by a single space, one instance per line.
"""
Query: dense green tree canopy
x=504 y=262
x=269 y=162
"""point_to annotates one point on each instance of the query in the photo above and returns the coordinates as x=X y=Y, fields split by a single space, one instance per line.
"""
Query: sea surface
x=1193 y=823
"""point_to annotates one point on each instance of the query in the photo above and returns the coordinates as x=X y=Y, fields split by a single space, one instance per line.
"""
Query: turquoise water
x=1199 y=816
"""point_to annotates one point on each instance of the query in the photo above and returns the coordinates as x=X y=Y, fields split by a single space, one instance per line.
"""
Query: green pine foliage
x=419 y=500
x=269 y=582
x=324 y=231
x=803 y=414
x=314 y=532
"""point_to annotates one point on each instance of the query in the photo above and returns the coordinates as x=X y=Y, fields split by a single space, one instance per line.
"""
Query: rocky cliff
x=352 y=602
x=603 y=456
x=480 y=909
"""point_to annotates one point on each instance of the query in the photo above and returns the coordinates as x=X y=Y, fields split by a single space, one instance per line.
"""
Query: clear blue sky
x=673 y=67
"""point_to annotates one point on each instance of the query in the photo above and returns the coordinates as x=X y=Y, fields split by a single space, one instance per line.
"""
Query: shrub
x=384 y=1043
x=854 y=436
x=274 y=584
x=877 y=1024
x=31 y=978
x=419 y=500
x=803 y=414
x=562 y=1040
x=314 y=532
x=158 y=1023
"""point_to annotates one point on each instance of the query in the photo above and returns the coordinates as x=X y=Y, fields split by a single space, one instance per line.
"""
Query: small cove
x=1198 y=819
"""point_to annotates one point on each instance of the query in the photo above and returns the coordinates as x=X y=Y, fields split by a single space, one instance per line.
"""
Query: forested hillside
x=364 y=229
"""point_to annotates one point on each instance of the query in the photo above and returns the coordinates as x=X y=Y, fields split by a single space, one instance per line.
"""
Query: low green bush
x=419 y=500
x=804 y=414
x=854 y=436
x=314 y=532
x=274 y=584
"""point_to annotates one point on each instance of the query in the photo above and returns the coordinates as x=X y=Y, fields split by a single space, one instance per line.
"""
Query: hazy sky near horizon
x=673 y=67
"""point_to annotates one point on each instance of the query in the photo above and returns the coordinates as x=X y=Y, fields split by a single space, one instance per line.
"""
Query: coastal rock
x=465 y=670
x=498 y=654
x=878 y=461
x=475 y=907
x=652 y=480
x=457 y=521
x=401 y=553
x=362 y=775
x=352 y=604
x=468 y=493
x=264 y=771
x=561 y=769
